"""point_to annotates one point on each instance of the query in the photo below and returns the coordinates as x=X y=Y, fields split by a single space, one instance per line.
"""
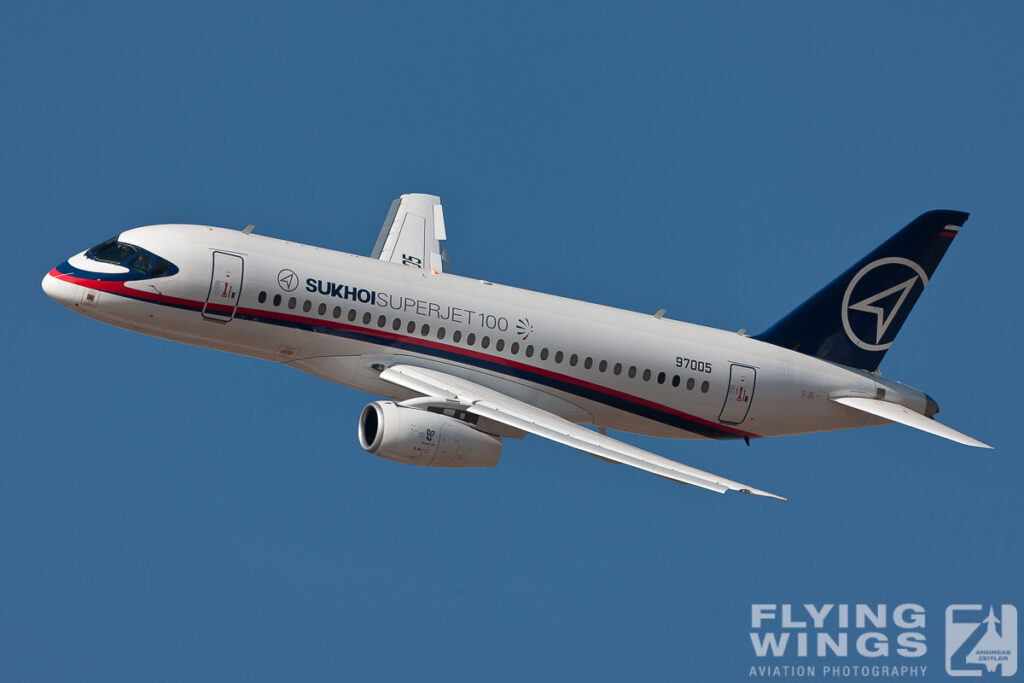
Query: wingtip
x=763 y=494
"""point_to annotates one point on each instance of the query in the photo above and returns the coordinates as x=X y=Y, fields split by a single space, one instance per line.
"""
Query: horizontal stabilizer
x=897 y=413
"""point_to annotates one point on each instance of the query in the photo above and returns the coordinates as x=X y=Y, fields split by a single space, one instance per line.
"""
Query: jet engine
x=418 y=437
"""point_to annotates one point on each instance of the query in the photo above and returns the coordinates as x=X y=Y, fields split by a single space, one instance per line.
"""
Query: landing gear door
x=225 y=287
x=742 y=379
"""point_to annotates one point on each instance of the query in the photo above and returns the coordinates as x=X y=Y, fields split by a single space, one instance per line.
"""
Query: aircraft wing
x=479 y=400
x=412 y=234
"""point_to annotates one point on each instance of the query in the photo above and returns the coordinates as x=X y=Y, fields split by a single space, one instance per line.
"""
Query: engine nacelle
x=417 y=437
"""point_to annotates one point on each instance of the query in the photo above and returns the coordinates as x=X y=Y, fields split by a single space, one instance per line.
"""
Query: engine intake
x=418 y=437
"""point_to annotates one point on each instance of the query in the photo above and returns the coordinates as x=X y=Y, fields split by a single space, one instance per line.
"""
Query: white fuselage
x=341 y=317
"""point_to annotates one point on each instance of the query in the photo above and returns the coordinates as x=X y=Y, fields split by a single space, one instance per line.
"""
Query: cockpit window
x=160 y=267
x=112 y=251
x=131 y=256
x=142 y=262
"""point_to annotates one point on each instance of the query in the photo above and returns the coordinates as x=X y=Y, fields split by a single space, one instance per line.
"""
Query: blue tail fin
x=854 y=319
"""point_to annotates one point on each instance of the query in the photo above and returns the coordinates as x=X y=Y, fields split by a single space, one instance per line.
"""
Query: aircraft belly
x=622 y=421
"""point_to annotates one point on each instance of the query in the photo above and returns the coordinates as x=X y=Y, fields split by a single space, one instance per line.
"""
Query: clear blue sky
x=169 y=513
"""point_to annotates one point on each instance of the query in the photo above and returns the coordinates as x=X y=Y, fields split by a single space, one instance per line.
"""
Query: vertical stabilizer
x=854 y=319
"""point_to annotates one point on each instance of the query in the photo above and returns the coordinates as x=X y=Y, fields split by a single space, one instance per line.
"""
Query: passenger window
x=277 y=299
x=322 y=309
x=485 y=342
x=411 y=328
x=499 y=345
x=704 y=386
x=470 y=339
x=661 y=378
x=573 y=360
x=456 y=336
x=588 y=362
x=382 y=321
x=632 y=371
x=544 y=353
x=306 y=305
x=689 y=384
x=515 y=348
x=440 y=333
x=367 y=317
x=425 y=330
x=602 y=366
x=529 y=350
x=559 y=356
x=396 y=325
x=647 y=375
x=262 y=298
x=618 y=369
x=337 y=312
x=291 y=302
x=352 y=315
x=675 y=380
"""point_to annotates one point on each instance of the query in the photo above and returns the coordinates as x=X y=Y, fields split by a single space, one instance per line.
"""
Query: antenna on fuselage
x=248 y=229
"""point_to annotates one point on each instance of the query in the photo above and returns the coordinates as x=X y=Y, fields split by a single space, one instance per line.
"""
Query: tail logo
x=884 y=304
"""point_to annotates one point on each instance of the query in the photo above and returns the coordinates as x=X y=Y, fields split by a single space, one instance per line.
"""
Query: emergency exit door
x=742 y=379
x=225 y=287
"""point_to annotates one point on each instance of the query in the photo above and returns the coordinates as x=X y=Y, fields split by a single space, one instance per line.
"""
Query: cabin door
x=742 y=379
x=225 y=287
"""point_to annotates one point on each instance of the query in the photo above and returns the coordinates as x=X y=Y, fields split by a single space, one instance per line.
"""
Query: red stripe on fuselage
x=115 y=287
x=119 y=288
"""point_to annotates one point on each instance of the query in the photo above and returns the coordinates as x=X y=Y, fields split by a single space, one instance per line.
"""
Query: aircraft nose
x=58 y=290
